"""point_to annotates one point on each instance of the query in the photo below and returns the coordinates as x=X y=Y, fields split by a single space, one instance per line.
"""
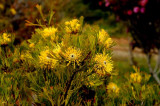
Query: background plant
x=142 y=22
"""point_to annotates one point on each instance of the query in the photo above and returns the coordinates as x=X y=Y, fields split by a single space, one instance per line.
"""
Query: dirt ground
x=121 y=49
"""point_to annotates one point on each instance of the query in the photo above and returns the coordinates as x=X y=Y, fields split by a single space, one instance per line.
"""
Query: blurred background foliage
x=15 y=12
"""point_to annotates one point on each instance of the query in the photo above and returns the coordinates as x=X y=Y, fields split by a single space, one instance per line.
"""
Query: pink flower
x=129 y=12
x=142 y=10
x=143 y=2
x=107 y=4
x=136 y=9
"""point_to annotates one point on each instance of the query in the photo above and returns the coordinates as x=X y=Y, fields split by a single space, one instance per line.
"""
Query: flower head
x=136 y=9
x=46 y=61
x=108 y=42
x=72 y=26
x=73 y=54
x=136 y=77
x=102 y=36
x=5 y=38
x=104 y=39
x=50 y=31
x=112 y=88
x=103 y=64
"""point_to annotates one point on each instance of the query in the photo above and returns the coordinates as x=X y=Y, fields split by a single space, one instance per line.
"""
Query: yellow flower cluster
x=136 y=77
x=104 y=38
x=46 y=61
x=73 y=54
x=49 y=32
x=112 y=88
x=103 y=64
x=5 y=38
x=72 y=26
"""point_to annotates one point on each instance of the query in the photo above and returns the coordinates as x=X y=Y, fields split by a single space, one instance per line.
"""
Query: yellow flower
x=5 y=38
x=112 y=88
x=103 y=64
x=22 y=57
x=73 y=55
x=72 y=26
x=108 y=42
x=13 y=11
x=136 y=77
x=46 y=61
x=102 y=36
x=50 y=31
x=31 y=45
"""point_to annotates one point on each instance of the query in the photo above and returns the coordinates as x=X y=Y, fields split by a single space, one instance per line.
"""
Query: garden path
x=121 y=49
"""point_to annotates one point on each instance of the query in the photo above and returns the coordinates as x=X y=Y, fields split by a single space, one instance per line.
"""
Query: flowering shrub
x=71 y=57
x=67 y=64
x=56 y=63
